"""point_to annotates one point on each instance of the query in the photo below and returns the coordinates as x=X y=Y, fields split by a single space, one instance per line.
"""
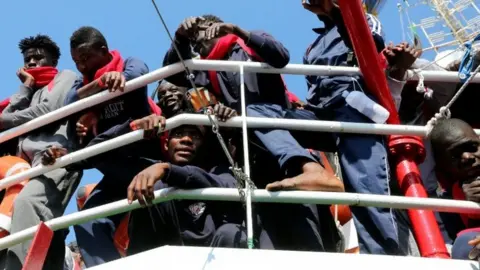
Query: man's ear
x=165 y=145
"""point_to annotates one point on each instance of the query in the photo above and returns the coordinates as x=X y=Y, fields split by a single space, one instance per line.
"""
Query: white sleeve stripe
x=376 y=25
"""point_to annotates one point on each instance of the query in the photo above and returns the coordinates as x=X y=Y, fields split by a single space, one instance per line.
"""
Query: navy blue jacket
x=199 y=219
x=332 y=48
x=259 y=88
x=133 y=105
x=192 y=177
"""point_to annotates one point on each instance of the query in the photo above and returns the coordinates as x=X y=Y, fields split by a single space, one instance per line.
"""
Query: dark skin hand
x=52 y=153
x=25 y=77
x=223 y=113
x=475 y=252
x=87 y=122
x=472 y=191
x=217 y=30
x=400 y=58
x=188 y=27
x=114 y=81
x=150 y=124
x=142 y=185
x=299 y=105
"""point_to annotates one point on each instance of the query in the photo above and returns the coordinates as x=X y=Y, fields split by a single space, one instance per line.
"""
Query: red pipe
x=406 y=150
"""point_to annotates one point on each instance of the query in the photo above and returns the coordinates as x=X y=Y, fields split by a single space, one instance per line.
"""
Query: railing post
x=406 y=150
x=37 y=253
x=246 y=157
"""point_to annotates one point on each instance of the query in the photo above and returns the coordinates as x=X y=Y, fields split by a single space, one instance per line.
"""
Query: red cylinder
x=406 y=150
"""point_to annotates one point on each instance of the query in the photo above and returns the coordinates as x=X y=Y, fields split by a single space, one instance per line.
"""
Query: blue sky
x=134 y=29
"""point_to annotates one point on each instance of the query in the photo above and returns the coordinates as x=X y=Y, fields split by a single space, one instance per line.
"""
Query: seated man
x=213 y=39
x=45 y=197
x=216 y=40
x=193 y=223
x=456 y=149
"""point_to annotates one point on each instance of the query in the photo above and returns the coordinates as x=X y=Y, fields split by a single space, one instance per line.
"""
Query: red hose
x=405 y=150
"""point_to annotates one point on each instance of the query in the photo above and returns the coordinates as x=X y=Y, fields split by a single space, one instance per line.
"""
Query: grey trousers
x=43 y=198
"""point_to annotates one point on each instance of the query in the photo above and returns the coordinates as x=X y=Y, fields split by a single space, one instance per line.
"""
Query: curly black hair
x=41 y=42
x=209 y=18
x=87 y=35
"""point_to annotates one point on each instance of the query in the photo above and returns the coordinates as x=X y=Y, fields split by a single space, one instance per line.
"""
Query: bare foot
x=313 y=178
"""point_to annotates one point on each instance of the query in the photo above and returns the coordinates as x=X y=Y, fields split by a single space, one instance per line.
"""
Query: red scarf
x=457 y=194
x=221 y=49
x=42 y=75
x=218 y=52
x=3 y=104
x=116 y=64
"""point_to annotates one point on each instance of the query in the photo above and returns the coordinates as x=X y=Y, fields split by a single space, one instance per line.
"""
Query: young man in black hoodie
x=185 y=222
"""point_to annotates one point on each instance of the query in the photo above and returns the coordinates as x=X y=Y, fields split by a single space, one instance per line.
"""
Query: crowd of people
x=190 y=157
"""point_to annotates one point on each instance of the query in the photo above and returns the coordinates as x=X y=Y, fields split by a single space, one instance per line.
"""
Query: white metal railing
x=233 y=66
x=231 y=194
x=195 y=119
x=226 y=194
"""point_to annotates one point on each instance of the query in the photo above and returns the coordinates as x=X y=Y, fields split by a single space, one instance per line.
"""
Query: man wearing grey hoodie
x=45 y=197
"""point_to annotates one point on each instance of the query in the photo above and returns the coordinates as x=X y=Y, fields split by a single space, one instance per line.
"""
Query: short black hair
x=209 y=18
x=87 y=35
x=444 y=131
x=41 y=42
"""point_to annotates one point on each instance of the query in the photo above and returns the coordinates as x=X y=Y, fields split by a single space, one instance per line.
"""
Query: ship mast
x=453 y=23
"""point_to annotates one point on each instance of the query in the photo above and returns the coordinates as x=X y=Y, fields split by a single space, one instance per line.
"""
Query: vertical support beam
x=406 y=151
x=37 y=253
x=246 y=156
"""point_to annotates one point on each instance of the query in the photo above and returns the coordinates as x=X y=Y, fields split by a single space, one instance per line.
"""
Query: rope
x=444 y=112
x=421 y=88
x=240 y=176
x=402 y=24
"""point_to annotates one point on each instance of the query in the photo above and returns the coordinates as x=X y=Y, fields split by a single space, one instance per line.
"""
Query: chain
x=238 y=173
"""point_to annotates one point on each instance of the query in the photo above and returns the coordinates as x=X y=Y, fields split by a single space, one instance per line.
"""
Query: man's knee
x=231 y=236
x=461 y=248
x=264 y=110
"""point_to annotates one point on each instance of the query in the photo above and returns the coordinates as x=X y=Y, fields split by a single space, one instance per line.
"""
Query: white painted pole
x=246 y=161
x=231 y=194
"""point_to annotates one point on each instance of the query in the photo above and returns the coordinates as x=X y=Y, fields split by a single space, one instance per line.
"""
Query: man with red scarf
x=45 y=197
x=107 y=69
x=215 y=40
x=456 y=149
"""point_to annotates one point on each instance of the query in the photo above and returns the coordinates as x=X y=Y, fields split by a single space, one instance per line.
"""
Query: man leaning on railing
x=45 y=197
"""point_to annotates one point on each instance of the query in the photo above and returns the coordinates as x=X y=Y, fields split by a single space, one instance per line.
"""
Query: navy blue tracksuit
x=260 y=89
x=191 y=223
x=118 y=166
x=363 y=157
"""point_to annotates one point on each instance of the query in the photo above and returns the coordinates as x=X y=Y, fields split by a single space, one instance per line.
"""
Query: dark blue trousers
x=364 y=163
x=95 y=238
x=461 y=248
x=189 y=223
